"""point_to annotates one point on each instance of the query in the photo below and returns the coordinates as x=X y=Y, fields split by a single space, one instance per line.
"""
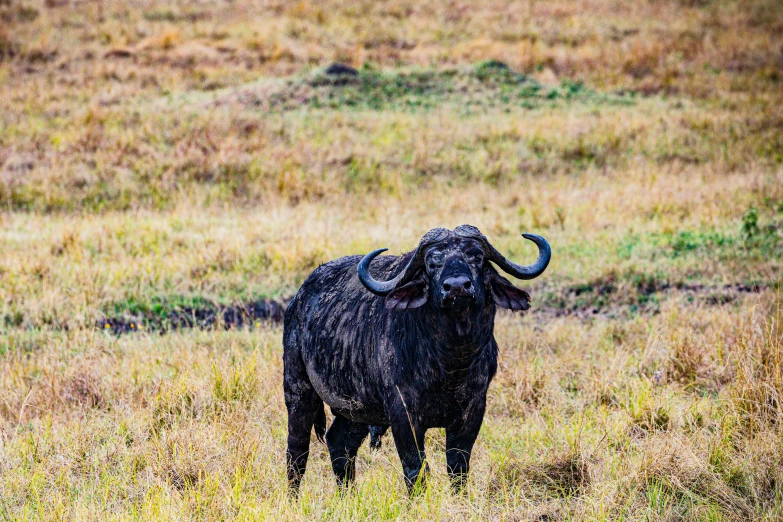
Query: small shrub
x=171 y=404
x=84 y=389
x=563 y=475
x=237 y=386
x=653 y=419
x=673 y=469
x=750 y=223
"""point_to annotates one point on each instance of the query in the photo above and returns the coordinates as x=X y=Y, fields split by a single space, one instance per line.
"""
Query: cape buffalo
x=407 y=343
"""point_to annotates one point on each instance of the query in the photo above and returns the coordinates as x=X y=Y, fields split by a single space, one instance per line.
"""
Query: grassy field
x=160 y=160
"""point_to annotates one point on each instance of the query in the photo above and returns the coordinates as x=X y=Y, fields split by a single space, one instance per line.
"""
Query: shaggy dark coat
x=420 y=358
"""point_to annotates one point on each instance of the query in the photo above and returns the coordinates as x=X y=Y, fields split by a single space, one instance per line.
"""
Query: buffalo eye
x=475 y=256
x=434 y=262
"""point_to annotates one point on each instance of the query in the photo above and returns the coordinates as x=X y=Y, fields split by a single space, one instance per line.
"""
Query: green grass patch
x=180 y=311
x=487 y=84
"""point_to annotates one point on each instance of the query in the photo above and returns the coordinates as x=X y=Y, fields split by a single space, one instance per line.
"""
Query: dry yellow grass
x=192 y=425
x=154 y=154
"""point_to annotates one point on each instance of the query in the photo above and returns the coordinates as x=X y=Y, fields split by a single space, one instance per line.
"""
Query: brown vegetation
x=165 y=164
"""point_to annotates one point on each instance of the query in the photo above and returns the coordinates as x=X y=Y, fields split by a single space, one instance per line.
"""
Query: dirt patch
x=612 y=298
x=584 y=301
x=204 y=316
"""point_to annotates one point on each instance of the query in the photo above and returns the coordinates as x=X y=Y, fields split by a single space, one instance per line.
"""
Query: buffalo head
x=452 y=270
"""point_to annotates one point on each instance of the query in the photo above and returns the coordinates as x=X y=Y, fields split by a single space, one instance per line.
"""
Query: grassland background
x=154 y=155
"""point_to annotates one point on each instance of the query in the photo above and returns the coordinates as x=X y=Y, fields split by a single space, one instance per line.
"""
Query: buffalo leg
x=343 y=440
x=409 y=440
x=304 y=408
x=376 y=436
x=301 y=417
x=459 y=445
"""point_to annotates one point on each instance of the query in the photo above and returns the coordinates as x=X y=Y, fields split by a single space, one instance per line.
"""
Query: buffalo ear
x=412 y=295
x=507 y=295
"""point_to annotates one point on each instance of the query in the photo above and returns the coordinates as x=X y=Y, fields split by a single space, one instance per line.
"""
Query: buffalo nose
x=459 y=286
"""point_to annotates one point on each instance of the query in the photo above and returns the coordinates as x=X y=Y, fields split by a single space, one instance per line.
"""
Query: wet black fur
x=414 y=369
